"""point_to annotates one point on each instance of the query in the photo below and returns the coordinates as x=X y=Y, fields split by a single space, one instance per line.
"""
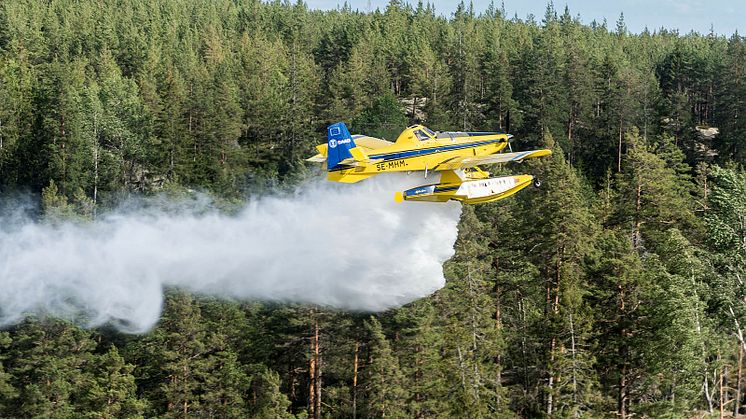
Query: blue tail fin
x=340 y=143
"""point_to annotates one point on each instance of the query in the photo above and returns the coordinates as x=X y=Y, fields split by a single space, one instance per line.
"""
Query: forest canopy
x=614 y=290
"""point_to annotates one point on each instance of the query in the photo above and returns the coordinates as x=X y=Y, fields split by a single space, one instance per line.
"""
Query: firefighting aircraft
x=456 y=155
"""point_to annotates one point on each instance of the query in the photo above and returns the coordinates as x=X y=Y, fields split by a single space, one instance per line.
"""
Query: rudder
x=339 y=144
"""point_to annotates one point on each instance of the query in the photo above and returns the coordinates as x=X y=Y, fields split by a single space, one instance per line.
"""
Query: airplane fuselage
x=411 y=154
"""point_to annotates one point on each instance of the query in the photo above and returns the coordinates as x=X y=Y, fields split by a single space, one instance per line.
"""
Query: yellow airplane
x=456 y=155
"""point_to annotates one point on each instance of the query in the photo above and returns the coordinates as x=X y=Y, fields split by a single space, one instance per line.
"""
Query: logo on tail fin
x=340 y=143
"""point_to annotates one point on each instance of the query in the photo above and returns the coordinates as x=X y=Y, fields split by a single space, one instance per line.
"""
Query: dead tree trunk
x=555 y=306
x=739 y=377
x=314 y=373
x=721 y=389
x=317 y=355
x=498 y=324
x=312 y=384
x=622 y=399
x=574 y=363
x=354 y=379
x=619 y=151
x=705 y=378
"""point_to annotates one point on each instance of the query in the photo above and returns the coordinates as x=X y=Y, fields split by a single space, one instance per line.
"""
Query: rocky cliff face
x=704 y=140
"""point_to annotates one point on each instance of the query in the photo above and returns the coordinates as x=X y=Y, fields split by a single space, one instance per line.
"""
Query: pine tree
x=467 y=81
x=382 y=118
x=262 y=85
x=419 y=350
x=268 y=401
x=651 y=193
x=119 y=129
x=731 y=91
x=498 y=91
x=541 y=97
x=384 y=394
x=223 y=384
x=112 y=390
x=725 y=236
x=560 y=253
x=579 y=79
x=7 y=391
x=680 y=345
x=473 y=346
x=172 y=359
x=16 y=113
x=47 y=363
x=621 y=286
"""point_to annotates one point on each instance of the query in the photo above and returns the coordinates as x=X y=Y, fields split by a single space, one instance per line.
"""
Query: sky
x=724 y=16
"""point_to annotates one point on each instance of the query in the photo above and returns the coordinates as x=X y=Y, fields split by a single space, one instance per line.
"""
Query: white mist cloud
x=345 y=246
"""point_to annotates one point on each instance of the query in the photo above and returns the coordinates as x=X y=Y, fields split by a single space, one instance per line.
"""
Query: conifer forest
x=616 y=289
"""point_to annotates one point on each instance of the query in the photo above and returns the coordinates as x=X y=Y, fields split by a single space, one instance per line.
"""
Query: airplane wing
x=462 y=162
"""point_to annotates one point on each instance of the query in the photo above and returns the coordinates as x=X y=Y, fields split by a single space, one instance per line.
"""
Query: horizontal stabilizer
x=319 y=158
x=365 y=143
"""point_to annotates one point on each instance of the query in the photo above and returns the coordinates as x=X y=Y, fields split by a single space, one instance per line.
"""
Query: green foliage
x=652 y=195
x=7 y=391
x=49 y=368
x=269 y=401
x=112 y=391
x=615 y=289
x=384 y=391
x=384 y=118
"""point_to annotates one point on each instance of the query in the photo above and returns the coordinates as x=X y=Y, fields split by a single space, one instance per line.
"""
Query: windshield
x=429 y=131
x=421 y=135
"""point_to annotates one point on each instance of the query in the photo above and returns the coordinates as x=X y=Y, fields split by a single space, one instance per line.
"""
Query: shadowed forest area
x=615 y=290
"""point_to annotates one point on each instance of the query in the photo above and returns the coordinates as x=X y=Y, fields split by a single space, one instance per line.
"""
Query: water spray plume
x=344 y=246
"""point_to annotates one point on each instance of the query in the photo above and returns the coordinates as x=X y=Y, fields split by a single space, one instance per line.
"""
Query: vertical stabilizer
x=339 y=144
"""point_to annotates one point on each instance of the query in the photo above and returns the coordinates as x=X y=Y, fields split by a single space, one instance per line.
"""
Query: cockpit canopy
x=422 y=132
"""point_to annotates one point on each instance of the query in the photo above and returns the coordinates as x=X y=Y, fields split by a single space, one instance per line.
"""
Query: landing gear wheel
x=537 y=183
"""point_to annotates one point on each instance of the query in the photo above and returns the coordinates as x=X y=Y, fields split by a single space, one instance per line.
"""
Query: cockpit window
x=421 y=135
x=429 y=131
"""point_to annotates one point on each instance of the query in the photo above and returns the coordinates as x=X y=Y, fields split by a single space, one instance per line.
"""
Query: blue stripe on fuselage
x=426 y=151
